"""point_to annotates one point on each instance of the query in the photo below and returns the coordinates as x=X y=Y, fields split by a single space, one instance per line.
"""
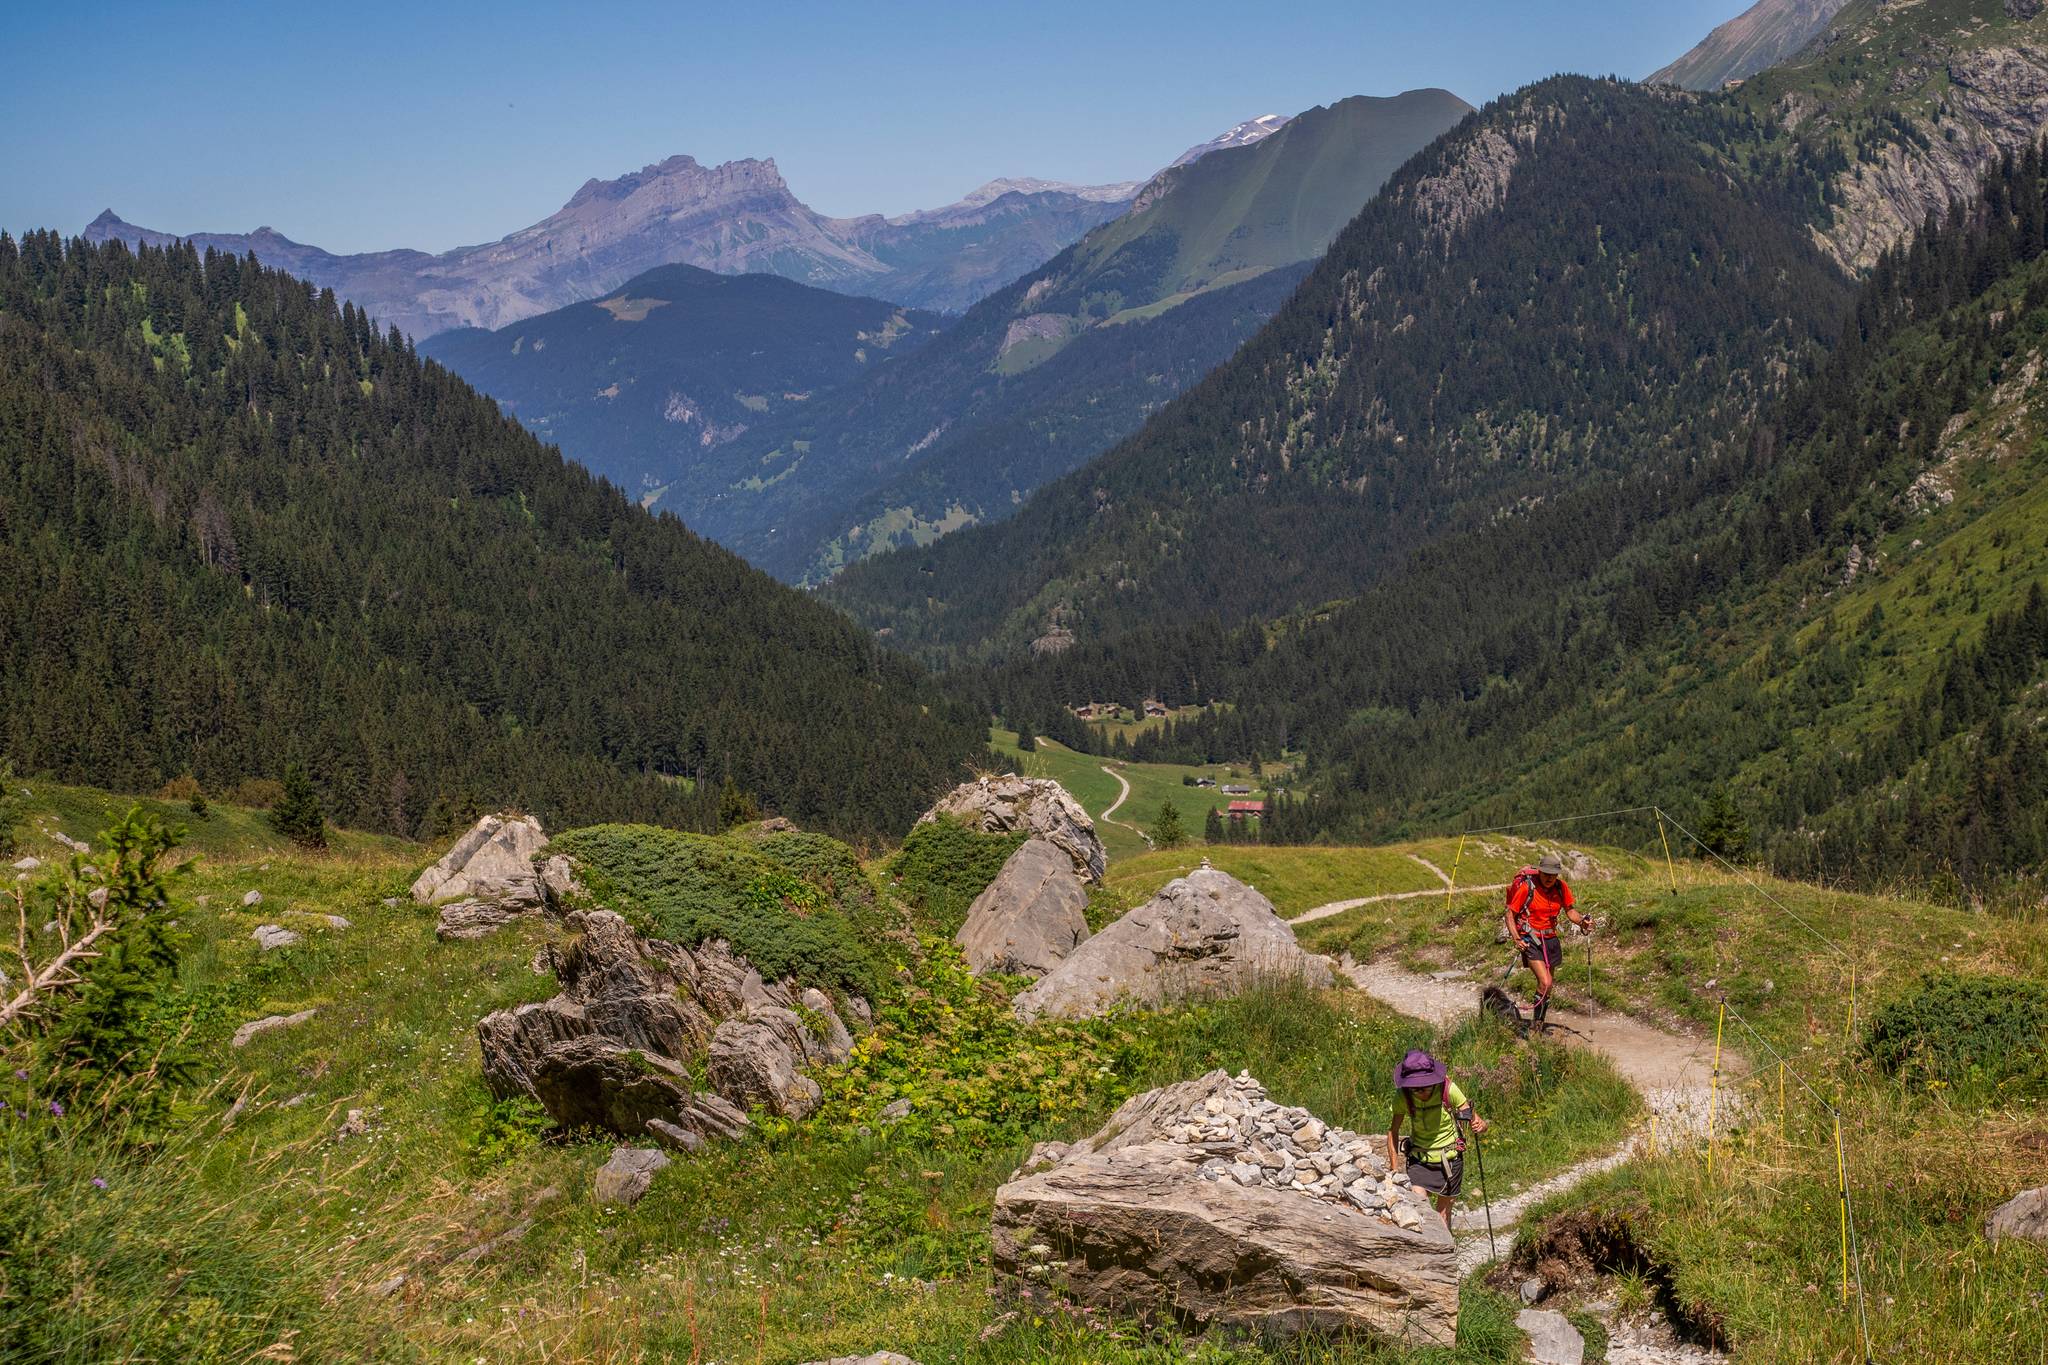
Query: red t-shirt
x=1539 y=908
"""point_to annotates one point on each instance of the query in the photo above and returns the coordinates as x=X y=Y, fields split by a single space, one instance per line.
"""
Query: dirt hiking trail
x=1672 y=1072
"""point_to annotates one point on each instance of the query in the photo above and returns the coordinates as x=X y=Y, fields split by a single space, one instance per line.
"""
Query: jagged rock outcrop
x=1037 y=805
x=1151 y=1216
x=1204 y=935
x=611 y=1050
x=1031 y=917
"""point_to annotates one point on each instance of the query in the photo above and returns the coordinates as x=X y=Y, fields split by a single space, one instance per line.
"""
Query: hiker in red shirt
x=1536 y=897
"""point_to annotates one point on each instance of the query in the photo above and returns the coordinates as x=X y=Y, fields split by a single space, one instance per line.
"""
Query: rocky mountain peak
x=1237 y=135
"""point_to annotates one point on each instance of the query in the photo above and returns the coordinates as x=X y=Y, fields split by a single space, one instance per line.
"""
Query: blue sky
x=429 y=125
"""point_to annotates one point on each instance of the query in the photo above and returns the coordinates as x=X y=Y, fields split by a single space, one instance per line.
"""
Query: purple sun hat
x=1418 y=1071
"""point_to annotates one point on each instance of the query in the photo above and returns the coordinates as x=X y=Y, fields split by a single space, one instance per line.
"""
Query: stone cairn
x=1246 y=1137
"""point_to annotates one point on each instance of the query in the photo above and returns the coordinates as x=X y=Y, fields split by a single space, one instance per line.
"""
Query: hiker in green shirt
x=1431 y=1106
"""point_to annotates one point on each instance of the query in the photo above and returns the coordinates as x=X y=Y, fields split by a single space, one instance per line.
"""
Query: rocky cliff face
x=1762 y=35
x=1997 y=103
x=1919 y=100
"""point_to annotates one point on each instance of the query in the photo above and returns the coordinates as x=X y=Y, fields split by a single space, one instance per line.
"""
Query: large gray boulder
x=2025 y=1216
x=1038 y=806
x=1178 y=1210
x=613 y=1048
x=492 y=863
x=1203 y=936
x=1031 y=917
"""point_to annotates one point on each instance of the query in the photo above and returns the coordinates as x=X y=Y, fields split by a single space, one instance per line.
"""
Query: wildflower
x=56 y=1109
x=20 y=1075
x=99 y=1182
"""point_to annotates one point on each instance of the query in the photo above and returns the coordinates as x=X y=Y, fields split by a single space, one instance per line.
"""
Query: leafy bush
x=1959 y=1029
x=943 y=866
x=259 y=792
x=976 y=1078
x=691 y=888
x=179 y=789
x=506 y=1129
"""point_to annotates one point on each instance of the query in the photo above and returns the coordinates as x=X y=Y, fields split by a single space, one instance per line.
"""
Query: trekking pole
x=1479 y=1155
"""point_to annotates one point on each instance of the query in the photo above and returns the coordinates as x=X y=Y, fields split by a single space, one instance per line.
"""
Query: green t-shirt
x=1434 y=1130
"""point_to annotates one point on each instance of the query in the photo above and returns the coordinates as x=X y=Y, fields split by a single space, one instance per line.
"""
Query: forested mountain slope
x=1587 y=280
x=1832 y=633
x=678 y=362
x=239 y=526
x=1042 y=375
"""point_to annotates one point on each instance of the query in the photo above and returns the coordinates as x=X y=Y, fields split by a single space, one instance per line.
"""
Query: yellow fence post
x=1452 y=884
x=1670 y=867
x=1842 y=1189
x=1714 y=1089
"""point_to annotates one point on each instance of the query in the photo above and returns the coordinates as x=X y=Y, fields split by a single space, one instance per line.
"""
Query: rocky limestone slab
x=615 y=985
x=1031 y=917
x=1203 y=936
x=2025 y=1216
x=251 y=899
x=758 y=1058
x=464 y=921
x=27 y=864
x=269 y=936
x=1552 y=1338
x=256 y=1028
x=628 y=1175
x=1152 y=1216
x=1038 y=806
x=491 y=862
x=1139 y=1232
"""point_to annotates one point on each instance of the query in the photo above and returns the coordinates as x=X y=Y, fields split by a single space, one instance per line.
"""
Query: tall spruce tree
x=299 y=817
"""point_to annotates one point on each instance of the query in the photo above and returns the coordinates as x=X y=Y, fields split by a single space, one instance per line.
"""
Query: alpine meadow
x=1333 y=722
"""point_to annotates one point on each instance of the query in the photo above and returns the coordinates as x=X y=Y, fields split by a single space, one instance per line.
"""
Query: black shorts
x=1447 y=1180
x=1549 y=950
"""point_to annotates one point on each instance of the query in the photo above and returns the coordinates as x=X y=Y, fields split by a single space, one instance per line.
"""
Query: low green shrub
x=691 y=888
x=975 y=1078
x=1963 y=1029
x=942 y=867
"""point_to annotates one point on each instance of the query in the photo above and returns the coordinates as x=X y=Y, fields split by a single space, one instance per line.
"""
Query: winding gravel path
x=1109 y=814
x=1339 y=907
x=1672 y=1072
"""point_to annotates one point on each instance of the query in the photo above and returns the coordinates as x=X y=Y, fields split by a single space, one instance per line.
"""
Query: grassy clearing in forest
x=1152 y=785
